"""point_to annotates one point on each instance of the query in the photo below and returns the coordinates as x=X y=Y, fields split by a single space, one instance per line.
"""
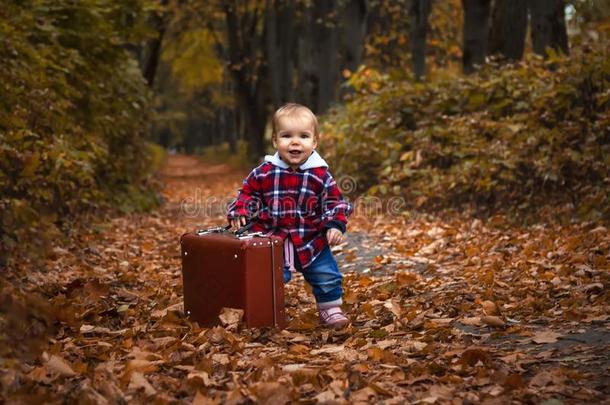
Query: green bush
x=73 y=115
x=530 y=135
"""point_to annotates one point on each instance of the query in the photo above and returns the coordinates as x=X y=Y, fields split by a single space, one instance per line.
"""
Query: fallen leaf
x=492 y=321
x=441 y=392
x=231 y=317
x=138 y=381
x=474 y=321
x=161 y=313
x=365 y=395
x=329 y=349
x=546 y=337
x=383 y=356
x=289 y=368
x=513 y=382
x=489 y=308
x=414 y=345
x=472 y=357
x=142 y=366
x=60 y=366
x=325 y=396
x=39 y=374
x=405 y=279
x=272 y=393
x=441 y=322
x=542 y=379
x=201 y=376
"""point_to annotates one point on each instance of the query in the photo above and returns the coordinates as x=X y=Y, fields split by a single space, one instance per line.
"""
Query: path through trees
x=455 y=309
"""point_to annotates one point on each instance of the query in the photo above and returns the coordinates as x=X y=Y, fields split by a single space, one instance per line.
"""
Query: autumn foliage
x=73 y=117
x=453 y=311
x=512 y=138
x=454 y=296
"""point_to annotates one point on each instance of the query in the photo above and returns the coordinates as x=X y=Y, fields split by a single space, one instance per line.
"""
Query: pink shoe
x=333 y=317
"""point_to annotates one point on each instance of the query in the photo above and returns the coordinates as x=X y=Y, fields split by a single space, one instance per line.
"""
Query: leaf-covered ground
x=451 y=310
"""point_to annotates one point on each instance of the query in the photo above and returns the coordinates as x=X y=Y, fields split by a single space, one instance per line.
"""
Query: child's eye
x=304 y=135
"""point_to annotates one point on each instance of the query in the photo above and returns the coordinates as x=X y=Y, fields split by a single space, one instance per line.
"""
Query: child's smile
x=295 y=141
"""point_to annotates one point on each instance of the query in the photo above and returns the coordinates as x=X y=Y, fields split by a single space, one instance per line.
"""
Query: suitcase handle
x=244 y=229
x=218 y=229
x=221 y=229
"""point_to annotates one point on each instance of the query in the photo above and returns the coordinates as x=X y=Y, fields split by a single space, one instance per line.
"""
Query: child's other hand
x=238 y=222
x=334 y=236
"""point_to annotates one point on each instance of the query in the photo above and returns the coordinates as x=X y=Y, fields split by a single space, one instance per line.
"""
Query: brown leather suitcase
x=220 y=269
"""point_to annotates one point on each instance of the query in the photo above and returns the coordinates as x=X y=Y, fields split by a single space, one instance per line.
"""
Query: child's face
x=294 y=140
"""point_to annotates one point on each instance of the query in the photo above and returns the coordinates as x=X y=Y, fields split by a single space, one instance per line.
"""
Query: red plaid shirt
x=300 y=203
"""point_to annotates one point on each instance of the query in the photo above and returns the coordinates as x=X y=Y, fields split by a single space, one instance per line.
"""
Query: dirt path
x=443 y=311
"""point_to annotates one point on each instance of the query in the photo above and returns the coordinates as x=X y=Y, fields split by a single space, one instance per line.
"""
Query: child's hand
x=334 y=236
x=238 y=222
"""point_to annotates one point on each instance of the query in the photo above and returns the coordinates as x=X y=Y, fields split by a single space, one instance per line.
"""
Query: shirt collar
x=313 y=161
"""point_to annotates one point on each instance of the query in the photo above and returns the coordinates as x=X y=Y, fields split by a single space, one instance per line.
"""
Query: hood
x=315 y=160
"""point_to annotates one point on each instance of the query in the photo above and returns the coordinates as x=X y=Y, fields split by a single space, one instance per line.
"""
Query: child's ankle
x=330 y=304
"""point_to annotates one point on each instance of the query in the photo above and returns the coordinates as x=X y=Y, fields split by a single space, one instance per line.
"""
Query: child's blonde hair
x=298 y=111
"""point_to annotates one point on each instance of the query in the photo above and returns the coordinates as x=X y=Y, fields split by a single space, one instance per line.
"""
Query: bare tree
x=148 y=53
x=247 y=67
x=285 y=50
x=281 y=41
x=548 y=25
x=419 y=13
x=353 y=30
x=508 y=28
x=476 y=27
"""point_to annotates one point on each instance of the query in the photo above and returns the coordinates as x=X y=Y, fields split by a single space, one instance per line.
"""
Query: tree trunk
x=229 y=116
x=248 y=73
x=254 y=119
x=353 y=31
x=228 y=122
x=548 y=26
x=307 y=82
x=279 y=20
x=153 y=48
x=326 y=39
x=508 y=27
x=418 y=13
x=476 y=29
x=307 y=44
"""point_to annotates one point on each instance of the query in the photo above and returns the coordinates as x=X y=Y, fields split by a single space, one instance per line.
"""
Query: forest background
x=488 y=121
x=490 y=105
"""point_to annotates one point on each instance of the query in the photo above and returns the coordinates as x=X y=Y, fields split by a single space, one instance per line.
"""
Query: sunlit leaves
x=193 y=60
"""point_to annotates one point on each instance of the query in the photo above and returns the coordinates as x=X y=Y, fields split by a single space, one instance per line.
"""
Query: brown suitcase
x=220 y=269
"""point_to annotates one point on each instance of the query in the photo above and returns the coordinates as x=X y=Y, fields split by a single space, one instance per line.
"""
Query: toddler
x=292 y=195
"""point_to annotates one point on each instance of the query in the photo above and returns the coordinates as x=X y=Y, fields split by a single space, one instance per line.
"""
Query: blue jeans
x=324 y=277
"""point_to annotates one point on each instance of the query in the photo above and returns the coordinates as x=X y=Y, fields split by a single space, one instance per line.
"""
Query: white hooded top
x=313 y=161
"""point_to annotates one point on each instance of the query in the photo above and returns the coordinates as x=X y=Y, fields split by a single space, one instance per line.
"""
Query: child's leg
x=325 y=279
x=287 y=274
